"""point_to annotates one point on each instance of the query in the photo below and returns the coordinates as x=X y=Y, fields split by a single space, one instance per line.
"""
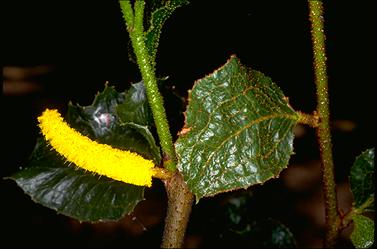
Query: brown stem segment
x=180 y=201
x=323 y=129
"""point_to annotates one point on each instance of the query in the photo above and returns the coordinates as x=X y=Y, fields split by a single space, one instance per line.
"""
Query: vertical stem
x=180 y=199
x=323 y=129
x=136 y=32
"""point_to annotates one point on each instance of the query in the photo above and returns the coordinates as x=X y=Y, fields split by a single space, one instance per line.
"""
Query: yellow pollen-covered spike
x=102 y=159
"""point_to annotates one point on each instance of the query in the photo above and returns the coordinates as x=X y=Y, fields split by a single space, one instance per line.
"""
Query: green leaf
x=236 y=210
x=161 y=11
x=155 y=15
x=74 y=192
x=232 y=224
x=148 y=136
x=104 y=121
x=362 y=180
x=238 y=131
x=71 y=191
x=99 y=119
x=135 y=108
x=363 y=233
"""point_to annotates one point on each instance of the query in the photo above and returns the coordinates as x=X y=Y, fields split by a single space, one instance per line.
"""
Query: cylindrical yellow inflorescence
x=102 y=159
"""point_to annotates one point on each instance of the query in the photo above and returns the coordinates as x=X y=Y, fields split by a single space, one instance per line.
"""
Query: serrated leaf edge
x=186 y=129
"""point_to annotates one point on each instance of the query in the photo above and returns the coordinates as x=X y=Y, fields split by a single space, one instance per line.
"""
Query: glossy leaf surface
x=238 y=131
x=74 y=192
x=363 y=233
x=362 y=179
x=135 y=108
x=71 y=191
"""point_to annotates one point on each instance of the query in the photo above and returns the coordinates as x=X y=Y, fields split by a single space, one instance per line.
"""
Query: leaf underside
x=80 y=194
x=238 y=131
x=157 y=12
x=161 y=11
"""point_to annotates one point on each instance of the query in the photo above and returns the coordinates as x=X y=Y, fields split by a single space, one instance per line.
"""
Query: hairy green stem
x=136 y=31
x=323 y=129
x=180 y=199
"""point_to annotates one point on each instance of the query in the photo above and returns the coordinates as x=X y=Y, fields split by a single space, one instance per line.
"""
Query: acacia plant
x=94 y=164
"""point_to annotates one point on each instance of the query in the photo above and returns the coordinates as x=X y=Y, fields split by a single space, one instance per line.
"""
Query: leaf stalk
x=309 y=119
x=346 y=220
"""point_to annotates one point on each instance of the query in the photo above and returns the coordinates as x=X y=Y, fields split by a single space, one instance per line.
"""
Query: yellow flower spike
x=103 y=159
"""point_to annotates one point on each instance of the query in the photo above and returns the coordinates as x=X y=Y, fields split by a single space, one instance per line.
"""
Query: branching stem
x=346 y=220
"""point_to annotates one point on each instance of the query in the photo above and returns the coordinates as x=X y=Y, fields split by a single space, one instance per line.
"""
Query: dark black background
x=86 y=43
